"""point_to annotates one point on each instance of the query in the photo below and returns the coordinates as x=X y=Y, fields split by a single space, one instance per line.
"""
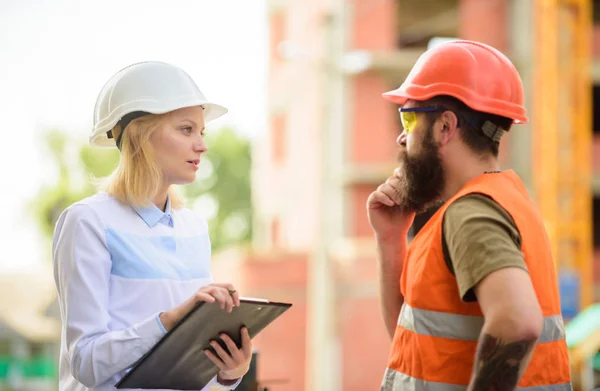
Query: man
x=472 y=303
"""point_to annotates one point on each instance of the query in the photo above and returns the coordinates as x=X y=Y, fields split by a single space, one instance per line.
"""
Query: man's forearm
x=500 y=362
x=389 y=268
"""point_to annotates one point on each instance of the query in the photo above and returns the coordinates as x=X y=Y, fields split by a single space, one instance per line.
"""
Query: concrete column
x=323 y=349
x=520 y=35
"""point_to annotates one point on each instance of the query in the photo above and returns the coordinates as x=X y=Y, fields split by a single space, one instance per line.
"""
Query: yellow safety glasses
x=408 y=116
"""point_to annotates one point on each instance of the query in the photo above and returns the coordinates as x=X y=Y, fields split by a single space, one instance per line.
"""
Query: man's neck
x=465 y=170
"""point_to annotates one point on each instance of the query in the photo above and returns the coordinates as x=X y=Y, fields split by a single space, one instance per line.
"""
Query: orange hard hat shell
x=477 y=74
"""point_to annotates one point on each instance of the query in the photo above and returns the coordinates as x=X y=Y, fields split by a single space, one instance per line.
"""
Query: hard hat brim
x=400 y=97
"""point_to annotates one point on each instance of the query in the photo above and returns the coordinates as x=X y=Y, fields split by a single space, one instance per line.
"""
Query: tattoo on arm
x=498 y=364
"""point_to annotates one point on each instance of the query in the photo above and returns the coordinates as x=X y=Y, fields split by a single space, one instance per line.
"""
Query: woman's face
x=178 y=144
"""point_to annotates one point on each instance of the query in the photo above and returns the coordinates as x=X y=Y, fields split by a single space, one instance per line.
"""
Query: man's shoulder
x=480 y=211
x=474 y=204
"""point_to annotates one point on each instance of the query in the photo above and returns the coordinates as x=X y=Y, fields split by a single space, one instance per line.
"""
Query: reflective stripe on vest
x=397 y=381
x=465 y=327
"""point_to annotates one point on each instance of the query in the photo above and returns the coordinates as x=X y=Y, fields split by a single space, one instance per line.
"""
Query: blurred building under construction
x=331 y=141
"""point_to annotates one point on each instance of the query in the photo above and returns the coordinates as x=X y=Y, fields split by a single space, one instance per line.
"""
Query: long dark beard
x=423 y=176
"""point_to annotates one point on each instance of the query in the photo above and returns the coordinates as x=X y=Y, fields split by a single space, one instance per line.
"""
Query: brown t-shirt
x=480 y=237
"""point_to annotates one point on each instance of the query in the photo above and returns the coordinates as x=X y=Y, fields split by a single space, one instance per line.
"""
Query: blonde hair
x=138 y=177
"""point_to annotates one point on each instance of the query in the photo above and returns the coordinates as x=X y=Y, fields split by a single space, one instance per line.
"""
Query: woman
x=131 y=261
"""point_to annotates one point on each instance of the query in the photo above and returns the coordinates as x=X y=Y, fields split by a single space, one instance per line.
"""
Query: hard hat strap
x=123 y=122
x=492 y=131
x=487 y=127
x=477 y=122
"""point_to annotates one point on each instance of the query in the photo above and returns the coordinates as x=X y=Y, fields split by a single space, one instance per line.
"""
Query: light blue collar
x=152 y=215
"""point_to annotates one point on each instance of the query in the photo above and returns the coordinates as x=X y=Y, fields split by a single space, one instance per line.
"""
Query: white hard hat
x=149 y=87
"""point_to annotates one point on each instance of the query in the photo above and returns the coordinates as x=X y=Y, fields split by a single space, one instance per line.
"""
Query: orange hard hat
x=477 y=74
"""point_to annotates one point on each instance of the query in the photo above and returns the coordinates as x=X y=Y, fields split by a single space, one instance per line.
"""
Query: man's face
x=423 y=177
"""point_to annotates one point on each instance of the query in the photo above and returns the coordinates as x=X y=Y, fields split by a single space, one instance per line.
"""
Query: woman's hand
x=224 y=294
x=233 y=362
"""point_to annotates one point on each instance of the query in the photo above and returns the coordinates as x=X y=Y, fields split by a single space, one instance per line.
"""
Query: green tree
x=76 y=164
x=221 y=191
x=223 y=188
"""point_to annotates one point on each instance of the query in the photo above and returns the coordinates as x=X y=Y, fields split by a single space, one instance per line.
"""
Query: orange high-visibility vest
x=435 y=342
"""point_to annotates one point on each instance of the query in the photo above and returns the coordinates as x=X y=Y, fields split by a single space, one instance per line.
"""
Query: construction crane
x=562 y=145
x=563 y=135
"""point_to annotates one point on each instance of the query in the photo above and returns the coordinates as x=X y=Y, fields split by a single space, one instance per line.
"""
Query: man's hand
x=208 y=293
x=390 y=222
x=233 y=363
x=387 y=217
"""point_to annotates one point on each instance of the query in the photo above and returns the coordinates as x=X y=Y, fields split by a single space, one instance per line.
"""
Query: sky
x=55 y=56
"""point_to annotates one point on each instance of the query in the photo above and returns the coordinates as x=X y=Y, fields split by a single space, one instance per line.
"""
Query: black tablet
x=178 y=361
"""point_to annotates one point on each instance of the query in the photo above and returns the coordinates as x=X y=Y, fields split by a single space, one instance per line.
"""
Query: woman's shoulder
x=95 y=206
x=98 y=201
